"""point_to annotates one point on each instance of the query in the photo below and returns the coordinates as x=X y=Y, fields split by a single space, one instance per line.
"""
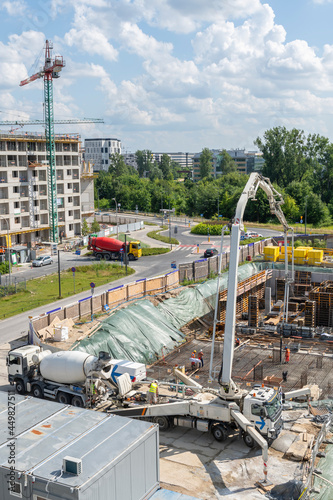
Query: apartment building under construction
x=24 y=196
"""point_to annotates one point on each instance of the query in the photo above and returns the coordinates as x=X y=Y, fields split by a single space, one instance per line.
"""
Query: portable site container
x=68 y=453
x=315 y=257
x=271 y=253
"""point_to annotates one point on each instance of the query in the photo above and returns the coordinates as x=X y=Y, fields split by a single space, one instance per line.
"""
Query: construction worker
x=200 y=356
x=237 y=343
x=287 y=355
x=193 y=356
x=153 y=392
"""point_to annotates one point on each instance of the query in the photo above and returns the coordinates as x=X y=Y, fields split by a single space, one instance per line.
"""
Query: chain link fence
x=13 y=286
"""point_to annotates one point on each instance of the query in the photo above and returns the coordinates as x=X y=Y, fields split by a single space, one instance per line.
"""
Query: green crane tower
x=50 y=70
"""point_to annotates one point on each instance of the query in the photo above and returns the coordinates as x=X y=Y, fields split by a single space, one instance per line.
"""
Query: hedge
x=212 y=229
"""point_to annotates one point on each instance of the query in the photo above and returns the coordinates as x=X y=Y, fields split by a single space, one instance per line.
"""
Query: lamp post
x=125 y=256
x=8 y=250
x=116 y=214
x=305 y=213
x=218 y=206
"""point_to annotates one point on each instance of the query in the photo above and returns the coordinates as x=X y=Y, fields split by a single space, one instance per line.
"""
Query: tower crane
x=50 y=70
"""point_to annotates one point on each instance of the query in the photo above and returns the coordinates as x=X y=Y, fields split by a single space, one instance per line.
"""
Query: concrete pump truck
x=256 y=413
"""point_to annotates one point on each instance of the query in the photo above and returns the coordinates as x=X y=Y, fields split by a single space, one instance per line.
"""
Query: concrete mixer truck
x=112 y=249
x=69 y=377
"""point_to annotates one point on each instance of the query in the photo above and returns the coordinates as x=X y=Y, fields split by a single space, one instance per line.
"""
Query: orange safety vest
x=287 y=353
x=193 y=355
x=153 y=388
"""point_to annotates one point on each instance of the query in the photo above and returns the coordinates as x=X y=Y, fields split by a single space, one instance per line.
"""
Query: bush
x=212 y=229
x=156 y=236
x=4 y=267
x=154 y=251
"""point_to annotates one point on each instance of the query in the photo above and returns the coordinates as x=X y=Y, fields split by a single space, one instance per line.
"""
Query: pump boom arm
x=275 y=201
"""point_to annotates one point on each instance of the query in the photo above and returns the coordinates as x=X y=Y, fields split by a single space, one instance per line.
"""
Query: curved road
x=16 y=326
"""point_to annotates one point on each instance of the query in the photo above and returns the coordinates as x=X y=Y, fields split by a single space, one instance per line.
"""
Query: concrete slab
x=284 y=441
x=193 y=481
x=184 y=457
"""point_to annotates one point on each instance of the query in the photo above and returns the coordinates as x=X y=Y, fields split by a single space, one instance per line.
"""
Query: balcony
x=23 y=178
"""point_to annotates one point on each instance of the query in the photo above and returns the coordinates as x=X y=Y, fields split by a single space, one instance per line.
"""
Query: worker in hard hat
x=237 y=343
x=193 y=357
x=153 y=393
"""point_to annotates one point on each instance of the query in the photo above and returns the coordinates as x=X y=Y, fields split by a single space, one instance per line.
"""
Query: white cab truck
x=69 y=377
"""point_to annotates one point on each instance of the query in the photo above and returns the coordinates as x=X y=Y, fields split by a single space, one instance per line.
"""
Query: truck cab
x=262 y=407
x=134 y=249
x=19 y=364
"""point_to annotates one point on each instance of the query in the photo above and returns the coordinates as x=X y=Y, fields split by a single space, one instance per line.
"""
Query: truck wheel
x=130 y=256
x=77 y=401
x=20 y=389
x=163 y=422
x=219 y=432
x=107 y=256
x=99 y=256
x=63 y=398
x=37 y=391
x=248 y=440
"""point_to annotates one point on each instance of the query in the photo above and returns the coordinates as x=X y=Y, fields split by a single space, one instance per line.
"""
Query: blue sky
x=173 y=75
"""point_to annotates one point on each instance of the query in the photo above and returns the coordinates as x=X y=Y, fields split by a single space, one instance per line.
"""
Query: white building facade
x=98 y=152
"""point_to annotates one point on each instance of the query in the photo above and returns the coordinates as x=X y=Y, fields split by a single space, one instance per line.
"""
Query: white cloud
x=15 y=8
x=91 y=41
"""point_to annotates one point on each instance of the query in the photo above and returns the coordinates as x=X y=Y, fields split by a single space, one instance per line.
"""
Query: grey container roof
x=46 y=432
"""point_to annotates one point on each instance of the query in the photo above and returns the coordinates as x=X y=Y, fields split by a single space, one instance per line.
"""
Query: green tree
x=85 y=228
x=95 y=226
x=226 y=164
x=166 y=167
x=205 y=164
x=144 y=161
x=117 y=165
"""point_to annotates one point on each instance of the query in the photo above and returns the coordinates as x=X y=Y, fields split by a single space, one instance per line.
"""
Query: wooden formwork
x=255 y=285
x=323 y=296
x=280 y=284
x=253 y=310
x=303 y=277
x=310 y=313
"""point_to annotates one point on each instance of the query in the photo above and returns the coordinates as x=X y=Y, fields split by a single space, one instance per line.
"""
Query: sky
x=172 y=75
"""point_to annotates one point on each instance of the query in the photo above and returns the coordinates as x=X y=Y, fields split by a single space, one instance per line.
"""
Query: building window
x=70 y=199
x=15 y=490
x=34 y=173
x=69 y=185
x=17 y=220
x=70 y=213
x=70 y=227
x=69 y=172
x=15 y=173
x=17 y=204
x=15 y=189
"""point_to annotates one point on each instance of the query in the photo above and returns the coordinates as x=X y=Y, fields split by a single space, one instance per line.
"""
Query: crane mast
x=50 y=70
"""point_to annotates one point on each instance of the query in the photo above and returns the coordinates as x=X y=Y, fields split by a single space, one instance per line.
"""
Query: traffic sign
x=73 y=269
x=92 y=285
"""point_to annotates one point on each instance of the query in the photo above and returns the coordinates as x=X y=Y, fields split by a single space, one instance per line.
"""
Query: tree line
x=299 y=166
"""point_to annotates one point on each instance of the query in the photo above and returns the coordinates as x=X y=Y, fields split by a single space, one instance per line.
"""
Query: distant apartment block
x=130 y=159
x=24 y=196
x=97 y=152
x=246 y=162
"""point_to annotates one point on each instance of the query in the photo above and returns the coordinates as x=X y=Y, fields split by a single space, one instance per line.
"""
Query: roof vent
x=72 y=465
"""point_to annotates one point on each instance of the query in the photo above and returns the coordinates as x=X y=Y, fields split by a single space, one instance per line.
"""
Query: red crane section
x=50 y=69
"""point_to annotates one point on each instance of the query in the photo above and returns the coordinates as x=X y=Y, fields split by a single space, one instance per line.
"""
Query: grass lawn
x=45 y=290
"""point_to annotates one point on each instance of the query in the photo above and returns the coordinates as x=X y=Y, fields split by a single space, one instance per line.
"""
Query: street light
x=116 y=214
x=8 y=249
x=125 y=256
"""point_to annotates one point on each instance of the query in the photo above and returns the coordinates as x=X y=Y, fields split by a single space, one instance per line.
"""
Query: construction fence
x=113 y=297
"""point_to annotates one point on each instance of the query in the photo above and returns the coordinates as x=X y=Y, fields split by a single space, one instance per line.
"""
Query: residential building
x=24 y=196
x=255 y=162
x=98 y=151
x=216 y=164
x=240 y=158
x=130 y=159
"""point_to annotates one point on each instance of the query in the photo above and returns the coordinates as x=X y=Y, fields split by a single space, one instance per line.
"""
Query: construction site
x=236 y=371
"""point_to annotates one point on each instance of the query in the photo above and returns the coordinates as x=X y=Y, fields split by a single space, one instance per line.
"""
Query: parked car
x=252 y=234
x=210 y=252
x=42 y=261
